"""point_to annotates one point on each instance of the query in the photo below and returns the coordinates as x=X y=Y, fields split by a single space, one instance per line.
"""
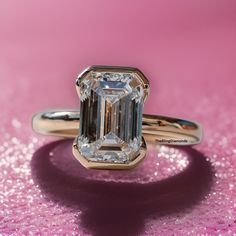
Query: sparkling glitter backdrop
x=187 y=49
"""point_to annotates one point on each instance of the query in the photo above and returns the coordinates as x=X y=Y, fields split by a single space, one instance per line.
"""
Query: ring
x=110 y=130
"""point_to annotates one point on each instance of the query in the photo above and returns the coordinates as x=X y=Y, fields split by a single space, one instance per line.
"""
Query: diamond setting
x=111 y=105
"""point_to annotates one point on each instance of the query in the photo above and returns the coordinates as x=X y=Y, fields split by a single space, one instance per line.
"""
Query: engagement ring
x=110 y=130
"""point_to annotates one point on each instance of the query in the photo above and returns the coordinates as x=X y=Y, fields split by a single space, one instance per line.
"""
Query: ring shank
x=155 y=129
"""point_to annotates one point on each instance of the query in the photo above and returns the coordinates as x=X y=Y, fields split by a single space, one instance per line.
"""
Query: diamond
x=111 y=104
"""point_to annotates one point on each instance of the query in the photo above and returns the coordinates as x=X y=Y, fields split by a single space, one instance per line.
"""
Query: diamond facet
x=110 y=114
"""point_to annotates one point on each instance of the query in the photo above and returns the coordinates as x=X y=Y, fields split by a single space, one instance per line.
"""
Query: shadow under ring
x=198 y=170
x=115 y=208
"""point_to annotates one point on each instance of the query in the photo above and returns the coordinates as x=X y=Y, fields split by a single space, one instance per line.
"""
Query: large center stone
x=110 y=116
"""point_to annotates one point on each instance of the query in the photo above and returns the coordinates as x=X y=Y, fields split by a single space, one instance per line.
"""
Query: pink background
x=187 y=49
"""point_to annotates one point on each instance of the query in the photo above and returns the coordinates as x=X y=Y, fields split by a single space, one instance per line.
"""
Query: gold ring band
x=155 y=129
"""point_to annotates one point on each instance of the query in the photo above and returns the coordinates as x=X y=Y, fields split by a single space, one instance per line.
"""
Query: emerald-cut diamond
x=111 y=113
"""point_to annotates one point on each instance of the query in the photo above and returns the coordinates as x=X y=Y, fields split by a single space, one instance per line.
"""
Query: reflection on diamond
x=111 y=117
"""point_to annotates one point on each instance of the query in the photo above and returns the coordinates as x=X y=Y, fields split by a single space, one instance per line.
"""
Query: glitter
x=35 y=202
x=34 y=140
x=31 y=145
x=5 y=144
x=16 y=123
x=231 y=186
x=15 y=140
x=182 y=162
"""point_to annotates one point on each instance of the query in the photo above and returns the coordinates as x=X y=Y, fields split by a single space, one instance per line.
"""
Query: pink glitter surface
x=187 y=50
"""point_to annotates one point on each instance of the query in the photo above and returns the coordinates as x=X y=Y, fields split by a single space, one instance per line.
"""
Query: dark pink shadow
x=112 y=208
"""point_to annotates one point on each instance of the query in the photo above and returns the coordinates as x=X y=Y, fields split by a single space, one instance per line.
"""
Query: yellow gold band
x=155 y=128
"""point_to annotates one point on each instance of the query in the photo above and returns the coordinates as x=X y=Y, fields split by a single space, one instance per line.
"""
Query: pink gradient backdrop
x=187 y=50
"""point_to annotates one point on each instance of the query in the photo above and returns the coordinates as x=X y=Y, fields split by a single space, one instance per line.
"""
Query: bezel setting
x=112 y=100
x=106 y=165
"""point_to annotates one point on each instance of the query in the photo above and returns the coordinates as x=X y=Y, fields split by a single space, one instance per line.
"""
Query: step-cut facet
x=110 y=116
